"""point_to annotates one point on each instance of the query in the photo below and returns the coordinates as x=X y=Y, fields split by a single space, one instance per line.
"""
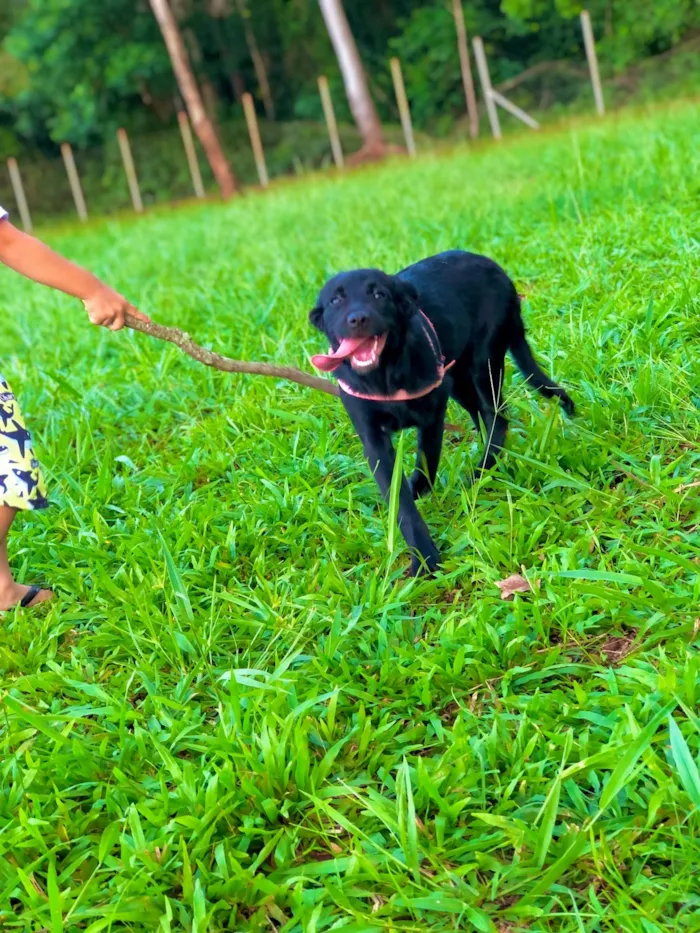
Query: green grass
x=242 y=715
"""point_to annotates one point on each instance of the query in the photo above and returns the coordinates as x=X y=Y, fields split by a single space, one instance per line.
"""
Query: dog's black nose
x=357 y=319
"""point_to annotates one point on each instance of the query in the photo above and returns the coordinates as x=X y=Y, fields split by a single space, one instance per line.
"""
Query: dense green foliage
x=242 y=716
x=76 y=69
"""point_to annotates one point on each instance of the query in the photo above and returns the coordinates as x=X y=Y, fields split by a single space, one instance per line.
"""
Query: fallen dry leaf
x=616 y=649
x=513 y=584
x=37 y=887
x=317 y=856
x=684 y=486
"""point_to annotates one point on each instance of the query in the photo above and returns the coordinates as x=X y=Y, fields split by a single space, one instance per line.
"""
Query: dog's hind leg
x=484 y=400
x=488 y=382
x=428 y=456
x=464 y=393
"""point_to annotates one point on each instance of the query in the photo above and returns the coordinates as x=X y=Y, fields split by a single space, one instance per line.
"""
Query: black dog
x=401 y=345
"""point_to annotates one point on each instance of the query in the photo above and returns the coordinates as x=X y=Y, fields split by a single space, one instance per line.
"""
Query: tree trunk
x=354 y=78
x=203 y=126
x=258 y=61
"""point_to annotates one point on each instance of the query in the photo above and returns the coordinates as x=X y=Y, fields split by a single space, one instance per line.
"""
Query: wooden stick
x=514 y=109
x=486 y=88
x=131 y=178
x=190 y=153
x=74 y=180
x=589 y=43
x=466 y=68
x=20 y=198
x=225 y=364
x=329 y=114
x=255 y=141
x=185 y=343
x=402 y=101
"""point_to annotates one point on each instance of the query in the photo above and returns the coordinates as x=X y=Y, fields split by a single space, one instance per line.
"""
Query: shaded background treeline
x=75 y=70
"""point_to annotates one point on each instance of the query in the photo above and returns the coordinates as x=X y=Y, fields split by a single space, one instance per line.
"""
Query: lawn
x=242 y=715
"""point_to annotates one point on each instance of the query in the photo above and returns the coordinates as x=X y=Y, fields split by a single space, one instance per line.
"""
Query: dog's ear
x=405 y=297
x=316 y=317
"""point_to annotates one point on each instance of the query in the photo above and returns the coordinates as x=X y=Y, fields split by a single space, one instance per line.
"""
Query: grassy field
x=242 y=715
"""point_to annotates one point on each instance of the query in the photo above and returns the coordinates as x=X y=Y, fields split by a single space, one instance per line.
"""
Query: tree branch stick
x=184 y=342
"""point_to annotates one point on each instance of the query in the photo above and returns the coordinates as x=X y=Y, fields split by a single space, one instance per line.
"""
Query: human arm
x=36 y=261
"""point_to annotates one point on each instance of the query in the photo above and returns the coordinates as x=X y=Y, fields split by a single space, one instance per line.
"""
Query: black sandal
x=30 y=596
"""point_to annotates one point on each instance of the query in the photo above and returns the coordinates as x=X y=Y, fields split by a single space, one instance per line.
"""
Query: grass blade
x=199 y=909
x=54 y=897
x=549 y=817
x=394 y=492
x=623 y=771
x=406 y=811
x=176 y=582
x=685 y=763
x=554 y=873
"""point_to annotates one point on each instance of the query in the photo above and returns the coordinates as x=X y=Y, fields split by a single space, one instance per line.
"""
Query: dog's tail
x=527 y=364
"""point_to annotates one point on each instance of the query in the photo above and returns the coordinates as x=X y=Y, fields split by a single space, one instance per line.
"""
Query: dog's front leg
x=381 y=457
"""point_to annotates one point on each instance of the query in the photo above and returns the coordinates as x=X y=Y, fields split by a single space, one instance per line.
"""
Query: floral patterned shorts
x=21 y=482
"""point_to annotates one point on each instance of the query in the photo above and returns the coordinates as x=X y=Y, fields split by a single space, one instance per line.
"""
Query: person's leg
x=12 y=593
x=21 y=489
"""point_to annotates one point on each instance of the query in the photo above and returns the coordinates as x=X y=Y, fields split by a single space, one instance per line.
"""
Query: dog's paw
x=423 y=565
x=484 y=467
x=567 y=404
x=419 y=484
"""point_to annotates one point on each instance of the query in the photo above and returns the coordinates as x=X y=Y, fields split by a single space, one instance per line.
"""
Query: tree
x=354 y=78
x=81 y=69
x=203 y=126
x=75 y=70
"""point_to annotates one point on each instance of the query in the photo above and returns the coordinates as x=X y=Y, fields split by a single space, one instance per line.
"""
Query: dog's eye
x=378 y=295
x=336 y=299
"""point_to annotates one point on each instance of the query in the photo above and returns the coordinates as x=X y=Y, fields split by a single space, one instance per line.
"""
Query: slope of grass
x=241 y=715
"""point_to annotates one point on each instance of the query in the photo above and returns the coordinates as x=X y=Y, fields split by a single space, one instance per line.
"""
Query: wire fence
x=161 y=167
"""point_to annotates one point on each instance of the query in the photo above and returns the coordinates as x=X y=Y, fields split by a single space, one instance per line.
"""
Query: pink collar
x=402 y=395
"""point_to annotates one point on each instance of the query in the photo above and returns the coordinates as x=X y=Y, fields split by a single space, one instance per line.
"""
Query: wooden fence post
x=190 y=153
x=18 y=189
x=589 y=42
x=493 y=97
x=329 y=114
x=514 y=109
x=74 y=181
x=255 y=141
x=402 y=101
x=131 y=178
x=466 y=68
x=486 y=88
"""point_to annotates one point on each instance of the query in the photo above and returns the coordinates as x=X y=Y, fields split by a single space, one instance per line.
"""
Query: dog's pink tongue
x=327 y=362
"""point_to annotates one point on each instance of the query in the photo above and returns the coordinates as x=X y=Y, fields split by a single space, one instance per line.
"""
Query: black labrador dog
x=402 y=345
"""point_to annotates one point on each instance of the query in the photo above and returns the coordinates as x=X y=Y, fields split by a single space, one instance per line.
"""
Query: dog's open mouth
x=361 y=352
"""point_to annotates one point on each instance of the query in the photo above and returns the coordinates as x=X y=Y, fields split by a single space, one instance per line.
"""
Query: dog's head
x=364 y=314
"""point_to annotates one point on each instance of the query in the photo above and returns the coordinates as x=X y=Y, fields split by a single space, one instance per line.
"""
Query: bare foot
x=12 y=596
